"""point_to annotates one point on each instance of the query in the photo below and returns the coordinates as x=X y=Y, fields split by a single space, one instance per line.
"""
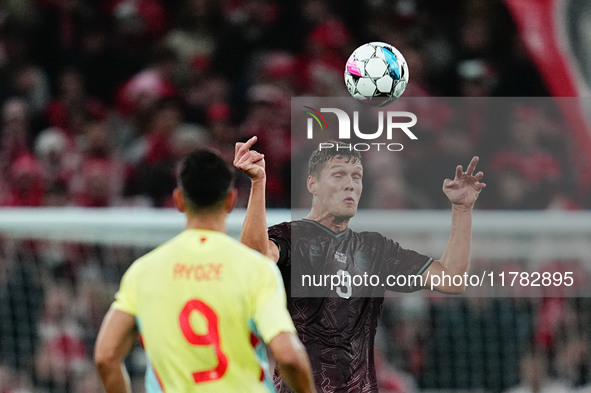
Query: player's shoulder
x=287 y=225
x=149 y=258
x=166 y=250
x=369 y=234
x=242 y=254
x=251 y=253
x=372 y=237
x=282 y=229
x=162 y=249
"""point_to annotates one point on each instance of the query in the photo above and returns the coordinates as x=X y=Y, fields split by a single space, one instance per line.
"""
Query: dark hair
x=205 y=180
x=323 y=154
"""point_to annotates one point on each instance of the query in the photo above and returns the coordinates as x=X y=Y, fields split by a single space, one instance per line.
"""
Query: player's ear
x=311 y=184
x=231 y=200
x=179 y=200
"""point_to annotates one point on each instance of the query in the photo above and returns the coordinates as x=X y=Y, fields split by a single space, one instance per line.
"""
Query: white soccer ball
x=376 y=73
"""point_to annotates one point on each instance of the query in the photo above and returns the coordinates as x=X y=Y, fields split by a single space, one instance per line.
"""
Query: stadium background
x=100 y=99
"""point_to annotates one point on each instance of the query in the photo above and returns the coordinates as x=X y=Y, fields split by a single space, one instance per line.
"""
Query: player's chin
x=348 y=211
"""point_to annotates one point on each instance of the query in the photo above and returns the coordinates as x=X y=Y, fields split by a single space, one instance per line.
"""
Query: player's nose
x=349 y=183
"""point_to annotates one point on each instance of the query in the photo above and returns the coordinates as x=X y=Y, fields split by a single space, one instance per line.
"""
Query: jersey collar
x=328 y=230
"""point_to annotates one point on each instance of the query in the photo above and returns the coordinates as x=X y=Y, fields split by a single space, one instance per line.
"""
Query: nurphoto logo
x=393 y=122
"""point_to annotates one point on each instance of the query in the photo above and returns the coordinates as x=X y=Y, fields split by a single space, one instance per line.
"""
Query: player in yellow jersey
x=200 y=302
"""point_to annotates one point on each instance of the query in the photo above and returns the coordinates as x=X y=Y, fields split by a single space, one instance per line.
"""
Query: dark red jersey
x=337 y=324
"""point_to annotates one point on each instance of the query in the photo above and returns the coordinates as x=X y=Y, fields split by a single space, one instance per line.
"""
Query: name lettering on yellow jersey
x=206 y=272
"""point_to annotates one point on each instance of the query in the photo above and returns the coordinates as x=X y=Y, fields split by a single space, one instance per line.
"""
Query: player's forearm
x=456 y=258
x=115 y=377
x=292 y=362
x=298 y=375
x=254 y=229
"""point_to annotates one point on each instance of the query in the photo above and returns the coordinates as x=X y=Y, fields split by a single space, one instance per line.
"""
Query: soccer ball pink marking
x=376 y=73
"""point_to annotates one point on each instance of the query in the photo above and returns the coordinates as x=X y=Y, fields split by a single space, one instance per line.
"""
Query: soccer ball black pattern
x=376 y=73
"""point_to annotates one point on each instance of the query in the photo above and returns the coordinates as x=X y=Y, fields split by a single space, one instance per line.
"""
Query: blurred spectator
x=21 y=11
x=187 y=138
x=58 y=32
x=476 y=32
x=268 y=119
x=61 y=350
x=86 y=380
x=417 y=61
x=535 y=377
x=525 y=167
x=32 y=84
x=144 y=20
x=57 y=195
x=327 y=48
x=138 y=95
x=194 y=36
x=218 y=121
x=101 y=67
x=100 y=175
x=13 y=381
x=392 y=380
x=477 y=78
x=573 y=360
x=513 y=191
x=280 y=69
x=518 y=77
x=27 y=183
x=451 y=145
x=96 y=183
x=53 y=151
x=15 y=133
x=391 y=192
x=153 y=157
x=73 y=105
x=250 y=28
x=204 y=90
x=21 y=297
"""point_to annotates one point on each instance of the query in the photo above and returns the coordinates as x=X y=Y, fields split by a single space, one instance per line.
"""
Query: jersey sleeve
x=403 y=262
x=270 y=313
x=280 y=234
x=126 y=297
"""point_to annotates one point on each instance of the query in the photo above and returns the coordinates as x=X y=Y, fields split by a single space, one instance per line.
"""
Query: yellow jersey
x=201 y=302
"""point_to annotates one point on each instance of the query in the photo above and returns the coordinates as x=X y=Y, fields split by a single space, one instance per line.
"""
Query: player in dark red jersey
x=338 y=325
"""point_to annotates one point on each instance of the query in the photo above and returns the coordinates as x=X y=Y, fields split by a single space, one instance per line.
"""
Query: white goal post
x=532 y=235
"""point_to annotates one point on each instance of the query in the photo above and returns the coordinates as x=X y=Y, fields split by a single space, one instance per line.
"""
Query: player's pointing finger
x=241 y=148
x=249 y=143
x=458 y=171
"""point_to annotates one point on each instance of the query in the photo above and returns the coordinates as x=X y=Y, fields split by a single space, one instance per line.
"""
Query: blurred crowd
x=99 y=100
x=53 y=296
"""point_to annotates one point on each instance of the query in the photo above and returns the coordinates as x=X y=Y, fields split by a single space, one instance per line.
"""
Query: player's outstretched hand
x=249 y=161
x=464 y=189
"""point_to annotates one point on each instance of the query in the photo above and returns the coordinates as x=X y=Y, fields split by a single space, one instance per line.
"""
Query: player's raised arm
x=462 y=192
x=254 y=229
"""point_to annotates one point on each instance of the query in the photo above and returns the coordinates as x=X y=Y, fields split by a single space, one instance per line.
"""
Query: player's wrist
x=462 y=208
x=259 y=179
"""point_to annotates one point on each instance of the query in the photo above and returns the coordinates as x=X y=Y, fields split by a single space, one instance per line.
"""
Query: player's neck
x=335 y=224
x=210 y=222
